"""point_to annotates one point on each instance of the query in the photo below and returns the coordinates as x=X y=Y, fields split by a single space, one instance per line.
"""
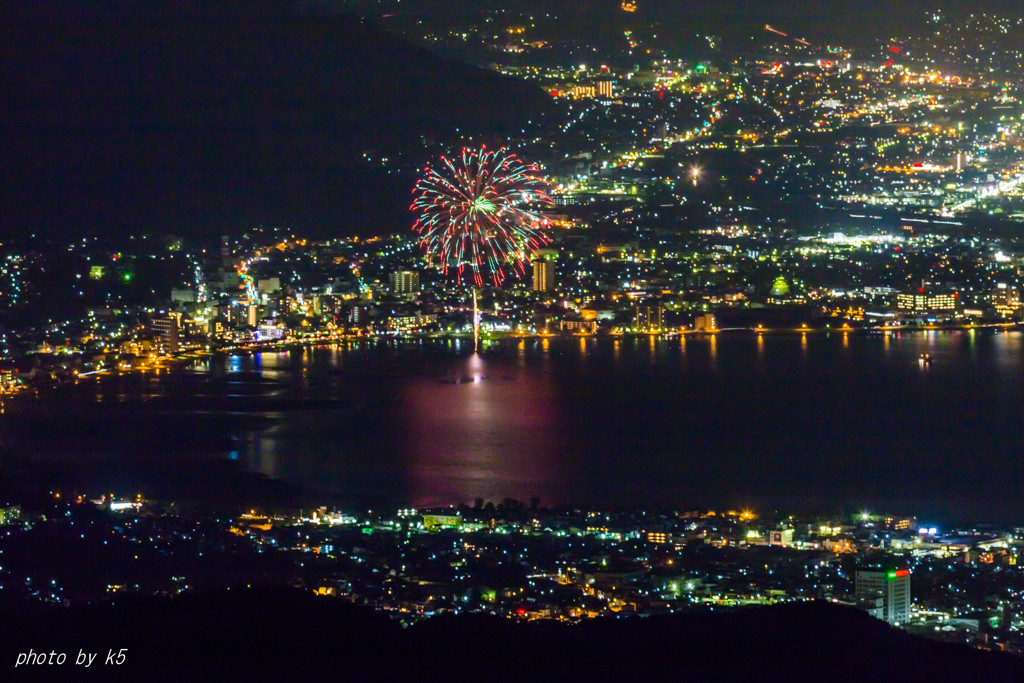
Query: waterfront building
x=705 y=323
x=922 y=301
x=166 y=327
x=648 y=317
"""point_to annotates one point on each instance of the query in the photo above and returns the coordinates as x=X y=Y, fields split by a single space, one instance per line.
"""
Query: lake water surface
x=827 y=420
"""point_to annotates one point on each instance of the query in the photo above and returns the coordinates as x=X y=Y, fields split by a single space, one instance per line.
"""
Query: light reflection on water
x=482 y=434
x=726 y=419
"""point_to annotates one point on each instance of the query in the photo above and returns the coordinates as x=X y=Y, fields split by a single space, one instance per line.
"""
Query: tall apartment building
x=885 y=593
x=543 y=276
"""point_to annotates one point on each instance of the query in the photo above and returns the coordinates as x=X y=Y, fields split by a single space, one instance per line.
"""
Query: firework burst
x=474 y=213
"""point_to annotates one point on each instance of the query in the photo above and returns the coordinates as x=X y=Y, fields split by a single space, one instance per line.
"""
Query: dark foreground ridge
x=277 y=633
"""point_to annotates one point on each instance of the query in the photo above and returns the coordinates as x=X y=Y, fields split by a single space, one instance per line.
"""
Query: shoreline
x=175 y=363
x=490 y=337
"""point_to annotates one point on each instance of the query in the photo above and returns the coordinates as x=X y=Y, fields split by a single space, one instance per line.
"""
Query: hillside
x=202 y=117
x=274 y=634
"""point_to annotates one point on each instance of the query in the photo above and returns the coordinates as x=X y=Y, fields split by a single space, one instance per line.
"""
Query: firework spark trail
x=473 y=212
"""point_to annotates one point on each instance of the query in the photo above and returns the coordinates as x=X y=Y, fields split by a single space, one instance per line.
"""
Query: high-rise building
x=543 y=275
x=166 y=328
x=225 y=252
x=648 y=317
x=885 y=593
x=605 y=89
x=359 y=316
x=405 y=282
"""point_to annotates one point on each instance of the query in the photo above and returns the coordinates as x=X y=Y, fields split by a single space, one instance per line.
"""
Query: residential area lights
x=894 y=174
x=559 y=564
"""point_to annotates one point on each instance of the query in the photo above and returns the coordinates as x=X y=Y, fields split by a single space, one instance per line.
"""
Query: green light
x=892 y=575
x=127 y=277
x=483 y=204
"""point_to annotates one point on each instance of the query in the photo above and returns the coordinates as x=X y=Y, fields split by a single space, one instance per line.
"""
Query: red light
x=521 y=612
x=955 y=295
x=902 y=572
x=889 y=62
x=921 y=290
x=894 y=49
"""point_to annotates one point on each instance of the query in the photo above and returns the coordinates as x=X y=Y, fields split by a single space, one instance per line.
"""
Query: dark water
x=823 y=421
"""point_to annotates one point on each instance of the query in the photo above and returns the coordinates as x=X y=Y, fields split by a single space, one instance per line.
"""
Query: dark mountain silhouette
x=205 y=116
x=276 y=634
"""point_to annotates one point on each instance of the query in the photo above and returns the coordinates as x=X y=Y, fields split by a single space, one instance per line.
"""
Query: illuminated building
x=359 y=315
x=782 y=294
x=782 y=537
x=648 y=317
x=405 y=282
x=705 y=323
x=432 y=522
x=657 y=537
x=605 y=89
x=543 y=276
x=922 y=301
x=885 y=593
x=328 y=304
x=579 y=326
x=900 y=523
x=269 y=285
x=270 y=330
x=1006 y=300
x=252 y=315
x=166 y=328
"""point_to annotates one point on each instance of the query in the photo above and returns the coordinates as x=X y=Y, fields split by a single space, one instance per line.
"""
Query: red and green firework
x=476 y=213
